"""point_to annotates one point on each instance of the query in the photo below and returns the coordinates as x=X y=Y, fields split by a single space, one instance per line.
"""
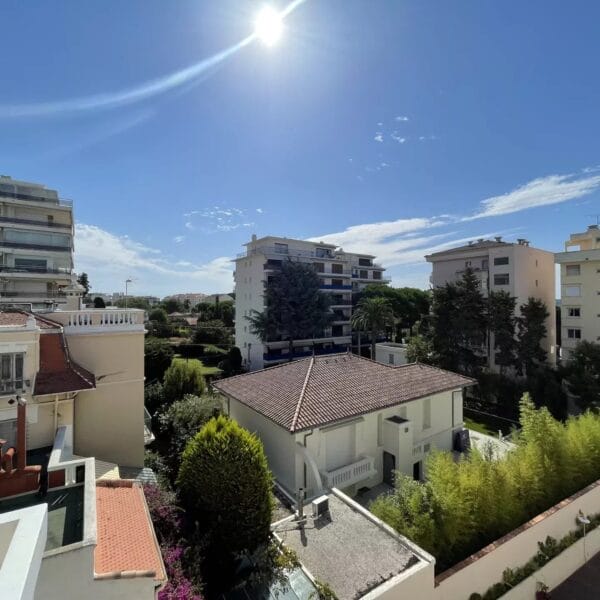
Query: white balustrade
x=100 y=320
x=363 y=468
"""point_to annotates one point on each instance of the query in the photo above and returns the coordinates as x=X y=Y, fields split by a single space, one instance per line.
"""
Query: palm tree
x=373 y=315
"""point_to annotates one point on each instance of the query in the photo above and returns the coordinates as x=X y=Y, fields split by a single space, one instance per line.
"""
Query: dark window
x=574 y=312
x=364 y=274
x=337 y=282
x=574 y=334
x=364 y=262
x=376 y=274
x=319 y=267
x=501 y=279
x=501 y=260
x=337 y=268
x=337 y=330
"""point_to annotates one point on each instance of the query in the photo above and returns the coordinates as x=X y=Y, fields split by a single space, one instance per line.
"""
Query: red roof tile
x=58 y=374
x=319 y=390
x=19 y=319
x=126 y=540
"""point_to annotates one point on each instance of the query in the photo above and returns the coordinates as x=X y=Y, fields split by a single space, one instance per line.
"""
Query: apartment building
x=580 y=289
x=514 y=267
x=341 y=273
x=36 y=247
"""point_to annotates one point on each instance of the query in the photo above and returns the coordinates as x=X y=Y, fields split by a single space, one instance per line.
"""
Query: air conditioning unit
x=320 y=506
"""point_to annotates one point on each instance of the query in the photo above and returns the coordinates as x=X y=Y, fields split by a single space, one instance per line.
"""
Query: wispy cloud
x=110 y=259
x=378 y=137
x=401 y=118
x=552 y=189
x=398 y=138
x=179 y=238
x=260 y=211
x=219 y=218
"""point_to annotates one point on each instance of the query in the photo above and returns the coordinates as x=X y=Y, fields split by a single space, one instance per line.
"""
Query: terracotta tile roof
x=320 y=390
x=58 y=374
x=126 y=543
x=19 y=319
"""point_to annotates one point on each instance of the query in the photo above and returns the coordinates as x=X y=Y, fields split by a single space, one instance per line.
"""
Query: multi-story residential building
x=516 y=268
x=341 y=273
x=580 y=289
x=36 y=247
x=193 y=298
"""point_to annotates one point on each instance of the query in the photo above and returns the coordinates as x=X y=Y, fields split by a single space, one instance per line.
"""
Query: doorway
x=389 y=466
x=417 y=471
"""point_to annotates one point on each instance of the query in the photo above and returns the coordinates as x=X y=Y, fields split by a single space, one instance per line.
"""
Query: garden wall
x=484 y=568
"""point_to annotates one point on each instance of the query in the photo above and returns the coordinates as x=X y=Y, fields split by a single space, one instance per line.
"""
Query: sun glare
x=268 y=26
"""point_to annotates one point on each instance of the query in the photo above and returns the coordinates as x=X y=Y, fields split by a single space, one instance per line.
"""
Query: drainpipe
x=304 y=463
x=21 y=439
x=55 y=413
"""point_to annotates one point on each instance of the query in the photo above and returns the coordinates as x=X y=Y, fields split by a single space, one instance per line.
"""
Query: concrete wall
x=109 y=421
x=478 y=572
x=391 y=354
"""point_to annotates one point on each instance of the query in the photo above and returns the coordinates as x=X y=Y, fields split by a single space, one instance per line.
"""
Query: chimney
x=253 y=237
x=21 y=433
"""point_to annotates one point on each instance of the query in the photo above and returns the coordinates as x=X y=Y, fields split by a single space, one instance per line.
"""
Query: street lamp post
x=127 y=282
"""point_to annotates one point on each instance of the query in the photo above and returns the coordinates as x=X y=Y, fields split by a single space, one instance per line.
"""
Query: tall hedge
x=183 y=378
x=225 y=482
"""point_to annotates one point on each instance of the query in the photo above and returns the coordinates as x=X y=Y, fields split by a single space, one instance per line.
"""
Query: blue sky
x=394 y=128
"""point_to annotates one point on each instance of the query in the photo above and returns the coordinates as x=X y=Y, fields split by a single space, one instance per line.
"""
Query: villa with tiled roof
x=345 y=421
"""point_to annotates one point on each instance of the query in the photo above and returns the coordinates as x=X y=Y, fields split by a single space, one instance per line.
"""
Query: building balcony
x=33 y=198
x=35 y=222
x=100 y=320
x=326 y=287
x=343 y=477
x=27 y=272
x=26 y=246
x=50 y=296
x=335 y=349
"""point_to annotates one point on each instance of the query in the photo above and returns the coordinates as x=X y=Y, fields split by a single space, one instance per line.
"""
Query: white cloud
x=188 y=225
x=178 y=239
x=543 y=191
x=378 y=137
x=109 y=259
x=398 y=138
x=401 y=118
x=260 y=211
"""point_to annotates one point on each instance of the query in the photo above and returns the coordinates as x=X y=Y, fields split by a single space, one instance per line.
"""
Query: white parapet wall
x=484 y=568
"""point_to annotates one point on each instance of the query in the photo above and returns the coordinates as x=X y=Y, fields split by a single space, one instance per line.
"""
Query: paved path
x=584 y=584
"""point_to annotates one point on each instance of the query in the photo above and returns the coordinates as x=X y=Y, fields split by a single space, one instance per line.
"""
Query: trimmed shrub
x=183 y=378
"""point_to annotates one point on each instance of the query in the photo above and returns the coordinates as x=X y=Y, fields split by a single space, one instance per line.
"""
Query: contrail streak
x=130 y=96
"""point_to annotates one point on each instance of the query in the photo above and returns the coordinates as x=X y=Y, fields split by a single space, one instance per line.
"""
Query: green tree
x=158 y=355
x=99 y=302
x=84 y=281
x=583 y=375
x=443 y=331
x=183 y=378
x=295 y=307
x=158 y=314
x=419 y=349
x=232 y=365
x=171 y=305
x=531 y=330
x=374 y=315
x=182 y=420
x=154 y=397
x=133 y=302
x=501 y=321
x=212 y=332
x=225 y=483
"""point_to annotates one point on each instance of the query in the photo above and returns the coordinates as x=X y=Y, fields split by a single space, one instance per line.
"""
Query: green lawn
x=487 y=424
x=205 y=370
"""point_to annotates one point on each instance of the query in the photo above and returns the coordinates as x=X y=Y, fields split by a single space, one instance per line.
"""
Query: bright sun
x=268 y=26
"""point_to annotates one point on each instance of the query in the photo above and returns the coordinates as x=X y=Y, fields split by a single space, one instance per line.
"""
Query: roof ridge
x=304 y=386
x=248 y=373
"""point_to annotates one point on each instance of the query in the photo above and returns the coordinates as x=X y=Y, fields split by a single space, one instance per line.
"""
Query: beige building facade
x=516 y=268
x=580 y=289
x=36 y=247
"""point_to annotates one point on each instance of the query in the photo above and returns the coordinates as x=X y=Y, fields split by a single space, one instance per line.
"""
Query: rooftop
x=21 y=319
x=126 y=540
x=480 y=244
x=349 y=549
x=324 y=389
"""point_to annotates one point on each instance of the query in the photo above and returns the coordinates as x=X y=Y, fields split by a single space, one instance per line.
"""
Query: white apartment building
x=580 y=289
x=341 y=273
x=36 y=247
x=516 y=268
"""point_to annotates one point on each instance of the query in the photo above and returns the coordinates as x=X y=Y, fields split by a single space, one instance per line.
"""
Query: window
x=467 y=264
x=574 y=334
x=573 y=270
x=485 y=264
x=390 y=359
x=337 y=282
x=536 y=283
x=501 y=279
x=574 y=312
x=8 y=432
x=11 y=372
x=31 y=264
x=573 y=291
x=364 y=262
x=322 y=252
x=281 y=248
x=19 y=236
x=364 y=274
x=319 y=267
x=376 y=274
x=335 y=268
x=501 y=260
x=426 y=447
x=426 y=413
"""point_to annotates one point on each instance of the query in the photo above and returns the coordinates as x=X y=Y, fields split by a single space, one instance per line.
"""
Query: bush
x=212 y=332
x=158 y=356
x=183 y=378
x=224 y=481
x=154 y=397
x=182 y=421
x=232 y=365
x=159 y=330
x=158 y=315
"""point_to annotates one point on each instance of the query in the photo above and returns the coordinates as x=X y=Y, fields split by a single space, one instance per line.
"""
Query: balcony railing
x=41 y=271
x=50 y=295
x=25 y=245
x=318 y=352
x=31 y=198
x=99 y=320
x=287 y=252
x=363 y=468
x=35 y=222
x=335 y=287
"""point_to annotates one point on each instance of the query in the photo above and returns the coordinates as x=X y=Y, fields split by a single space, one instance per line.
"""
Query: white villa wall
x=480 y=571
x=279 y=444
